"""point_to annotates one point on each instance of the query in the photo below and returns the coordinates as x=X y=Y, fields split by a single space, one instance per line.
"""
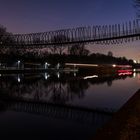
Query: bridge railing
x=88 y=34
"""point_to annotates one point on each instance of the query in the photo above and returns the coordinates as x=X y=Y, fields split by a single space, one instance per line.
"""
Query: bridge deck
x=107 y=34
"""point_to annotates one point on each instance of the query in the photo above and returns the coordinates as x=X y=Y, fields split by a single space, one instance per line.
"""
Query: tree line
x=77 y=53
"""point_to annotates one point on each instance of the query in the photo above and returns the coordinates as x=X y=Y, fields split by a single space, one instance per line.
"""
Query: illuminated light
x=58 y=75
x=124 y=66
x=74 y=74
x=18 y=63
x=19 y=79
x=46 y=65
x=125 y=73
x=88 y=65
x=134 y=70
x=58 y=66
x=134 y=74
x=0 y=75
x=135 y=61
x=114 y=65
x=89 y=77
x=46 y=76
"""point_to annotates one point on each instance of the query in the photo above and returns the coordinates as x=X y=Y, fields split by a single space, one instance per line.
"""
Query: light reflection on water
x=78 y=104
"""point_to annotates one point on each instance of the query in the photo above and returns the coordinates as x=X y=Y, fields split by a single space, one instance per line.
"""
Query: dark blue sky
x=22 y=16
x=25 y=16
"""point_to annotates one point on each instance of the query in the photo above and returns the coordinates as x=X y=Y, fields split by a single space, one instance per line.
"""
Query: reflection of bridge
x=108 y=34
x=65 y=112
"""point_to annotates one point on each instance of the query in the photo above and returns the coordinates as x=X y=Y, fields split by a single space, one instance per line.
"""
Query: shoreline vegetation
x=74 y=53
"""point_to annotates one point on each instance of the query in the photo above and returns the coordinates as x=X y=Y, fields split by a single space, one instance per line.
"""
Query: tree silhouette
x=58 y=39
x=79 y=50
x=5 y=37
x=110 y=54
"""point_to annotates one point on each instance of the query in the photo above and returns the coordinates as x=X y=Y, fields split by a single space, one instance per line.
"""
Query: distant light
x=19 y=79
x=124 y=66
x=58 y=66
x=135 y=61
x=46 y=65
x=74 y=74
x=58 y=75
x=113 y=65
x=18 y=61
x=125 y=73
x=88 y=65
x=134 y=74
x=134 y=70
x=89 y=77
x=46 y=76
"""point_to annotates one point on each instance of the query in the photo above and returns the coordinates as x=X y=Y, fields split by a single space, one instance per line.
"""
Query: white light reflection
x=88 y=65
x=46 y=76
x=89 y=77
x=58 y=75
x=134 y=74
x=19 y=80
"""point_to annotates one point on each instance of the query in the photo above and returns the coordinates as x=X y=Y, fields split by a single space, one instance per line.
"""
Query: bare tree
x=79 y=49
x=59 y=39
x=110 y=54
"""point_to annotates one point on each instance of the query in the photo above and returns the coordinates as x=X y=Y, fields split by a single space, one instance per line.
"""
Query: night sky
x=25 y=16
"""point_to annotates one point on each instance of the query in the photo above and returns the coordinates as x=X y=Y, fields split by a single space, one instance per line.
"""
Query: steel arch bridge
x=106 y=34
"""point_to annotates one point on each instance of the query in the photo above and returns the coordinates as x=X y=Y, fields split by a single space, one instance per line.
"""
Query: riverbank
x=125 y=124
x=38 y=70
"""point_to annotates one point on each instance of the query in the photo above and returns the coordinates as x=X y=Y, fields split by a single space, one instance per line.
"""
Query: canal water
x=61 y=106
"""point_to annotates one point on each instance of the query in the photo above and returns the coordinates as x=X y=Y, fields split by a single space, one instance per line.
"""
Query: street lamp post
x=18 y=63
x=46 y=65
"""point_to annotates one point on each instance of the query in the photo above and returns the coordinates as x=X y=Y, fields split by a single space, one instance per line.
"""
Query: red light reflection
x=124 y=72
